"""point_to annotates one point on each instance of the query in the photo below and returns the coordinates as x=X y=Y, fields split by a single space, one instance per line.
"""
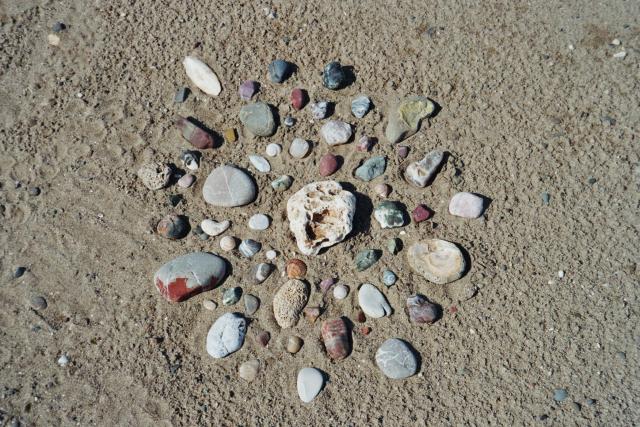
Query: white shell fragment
x=437 y=260
x=310 y=382
x=202 y=76
x=320 y=215
x=373 y=302
x=213 y=228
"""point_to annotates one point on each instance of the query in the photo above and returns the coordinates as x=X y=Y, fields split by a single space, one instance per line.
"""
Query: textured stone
x=155 y=176
x=334 y=76
x=173 y=227
x=396 y=359
x=335 y=336
x=437 y=260
x=289 y=302
x=247 y=89
x=230 y=135
x=466 y=205
x=249 y=370
x=226 y=335
x=296 y=268
x=188 y=275
x=371 y=168
x=319 y=110
x=335 y=132
x=422 y=172
x=373 y=302
x=258 y=119
x=360 y=106
x=196 y=135
x=320 y=215
x=405 y=118
x=228 y=186
x=389 y=214
x=366 y=258
x=309 y=384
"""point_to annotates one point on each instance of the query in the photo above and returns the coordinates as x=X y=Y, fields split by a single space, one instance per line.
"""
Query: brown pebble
x=312 y=313
x=197 y=136
x=365 y=330
x=263 y=338
x=328 y=164
x=294 y=344
x=360 y=316
x=296 y=269
x=299 y=98
x=335 y=336
x=230 y=135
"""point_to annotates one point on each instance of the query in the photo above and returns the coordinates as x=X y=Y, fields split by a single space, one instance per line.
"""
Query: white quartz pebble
x=299 y=148
x=259 y=222
x=213 y=228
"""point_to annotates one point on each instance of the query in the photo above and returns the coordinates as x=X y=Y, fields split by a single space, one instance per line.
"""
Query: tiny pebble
x=38 y=303
x=282 y=183
x=209 y=304
x=59 y=26
x=299 y=98
x=247 y=89
x=263 y=338
x=251 y=304
x=249 y=247
x=248 y=371
x=259 y=222
x=394 y=246
x=402 y=151
x=389 y=277
x=421 y=213
x=546 y=198
x=230 y=135
x=271 y=255
x=364 y=144
x=560 y=394
x=382 y=190
x=231 y=296
x=561 y=274
x=591 y=180
x=34 y=191
x=19 y=272
x=294 y=344
x=228 y=243
x=63 y=360
x=615 y=42
x=186 y=181
x=340 y=292
x=260 y=163
x=273 y=149
x=289 y=121
x=279 y=71
x=329 y=164
x=620 y=55
x=319 y=110
x=181 y=95
x=53 y=39
x=326 y=284
x=360 y=106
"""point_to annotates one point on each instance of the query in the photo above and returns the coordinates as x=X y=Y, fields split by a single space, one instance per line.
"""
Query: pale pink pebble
x=466 y=205
x=326 y=284
x=186 y=181
x=364 y=144
x=382 y=190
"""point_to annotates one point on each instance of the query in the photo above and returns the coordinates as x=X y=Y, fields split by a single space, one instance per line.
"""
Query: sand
x=526 y=90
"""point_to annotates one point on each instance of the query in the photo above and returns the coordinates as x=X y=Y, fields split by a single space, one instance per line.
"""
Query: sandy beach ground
x=532 y=100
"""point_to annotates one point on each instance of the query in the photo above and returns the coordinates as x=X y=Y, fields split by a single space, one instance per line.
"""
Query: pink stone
x=466 y=205
x=328 y=164
x=299 y=98
x=420 y=310
x=326 y=284
x=402 y=151
x=364 y=144
x=247 y=89
x=335 y=336
x=421 y=213
x=186 y=181
x=197 y=136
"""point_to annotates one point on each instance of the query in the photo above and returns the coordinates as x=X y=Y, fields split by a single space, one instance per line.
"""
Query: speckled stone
x=366 y=258
x=319 y=110
x=289 y=301
x=333 y=76
x=360 y=106
x=155 y=176
x=231 y=296
x=389 y=214
x=335 y=132
x=396 y=359
x=282 y=183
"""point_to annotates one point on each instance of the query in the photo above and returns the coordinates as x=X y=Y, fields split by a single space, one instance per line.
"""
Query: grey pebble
x=181 y=95
x=546 y=198
x=591 y=180
x=58 y=26
x=38 y=303
x=360 y=106
x=279 y=70
x=371 y=168
x=231 y=296
x=197 y=230
x=396 y=359
x=249 y=247
x=19 y=272
x=34 y=191
x=289 y=121
x=560 y=394
x=389 y=277
x=251 y=304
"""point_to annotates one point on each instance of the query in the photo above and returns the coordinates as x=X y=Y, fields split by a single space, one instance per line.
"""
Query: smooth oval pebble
x=309 y=383
x=279 y=71
x=296 y=269
x=194 y=133
x=38 y=303
x=259 y=222
x=260 y=163
x=319 y=110
x=247 y=89
x=333 y=76
x=202 y=76
x=282 y=183
x=173 y=227
x=294 y=344
x=396 y=359
x=373 y=302
x=261 y=272
x=228 y=243
x=186 y=181
x=226 y=335
x=248 y=371
x=251 y=304
x=389 y=277
x=420 y=310
x=335 y=132
x=213 y=228
x=263 y=338
x=155 y=176
x=271 y=254
x=188 y=275
x=289 y=301
x=437 y=260
x=258 y=119
x=249 y=247
x=273 y=150
x=299 y=148
x=328 y=164
x=209 y=304
x=228 y=186
x=360 y=106
x=466 y=205
x=340 y=292
x=231 y=296
x=335 y=336
x=299 y=98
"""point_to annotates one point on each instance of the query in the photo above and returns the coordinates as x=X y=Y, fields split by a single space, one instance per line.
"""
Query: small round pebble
x=402 y=151
x=228 y=243
x=63 y=360
x=19 y=272
x=299 y=98
x=466 y=205
x=299 y=148
x=209 y=304
x=382 y=190
x=173 y=227
x=248 y=371
x=186 y=181
x=259 y=222
x=389 y=277
x=34 y=191
x=560 y=394
x=38 y=303
x=271 y=254
x=340 y=292
x=263 y=338
x=260 y=163
x=294 y=344
x=58 y=26
x=273 y=149
x=364 y=144
x=251 y=304
x=289 y=121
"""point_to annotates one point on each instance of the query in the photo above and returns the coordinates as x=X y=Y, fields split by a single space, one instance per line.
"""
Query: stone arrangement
x=320 y=215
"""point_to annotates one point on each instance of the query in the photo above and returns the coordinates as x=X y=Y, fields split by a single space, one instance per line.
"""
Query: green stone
x=389 y=214
x=282 y=183
x=258 y=119
x=394 y=245
x=366 y=258
x=405 y=118
x=371 y=168
x=231 y=296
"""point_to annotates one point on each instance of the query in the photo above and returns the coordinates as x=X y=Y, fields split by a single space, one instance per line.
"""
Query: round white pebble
x=209 y=305
x=273 y=150
x=271 y=255
x=340 y=292
x=561 y=274
x=259 y=222
x=228 y=243
x=299 y=148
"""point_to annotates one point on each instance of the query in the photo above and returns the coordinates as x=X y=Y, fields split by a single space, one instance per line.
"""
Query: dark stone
x=181 y=95
x=279 y=70
x=19 y=272
x=334 y=76
x=58 y=26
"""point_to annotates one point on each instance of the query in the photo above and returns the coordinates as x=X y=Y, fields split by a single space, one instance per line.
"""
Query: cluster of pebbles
x=320 y=215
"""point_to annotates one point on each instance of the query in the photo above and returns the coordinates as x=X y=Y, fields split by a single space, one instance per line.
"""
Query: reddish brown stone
x=421 y=213
x=420 y=310
x=193 y=133
x=365 y=330
x=360 y=316
x=328 y=164
x=335 y=336
x=188 y=275
x=299 y=98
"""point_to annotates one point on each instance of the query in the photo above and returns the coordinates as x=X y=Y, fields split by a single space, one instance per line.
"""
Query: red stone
x=335 y=336
x=193 y=133
x=421 y=213
x=299 y=98
x=365 y=330
x=328 y=164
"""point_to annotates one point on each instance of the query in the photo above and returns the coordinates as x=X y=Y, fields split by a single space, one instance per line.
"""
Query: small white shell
x=340 y=292
x=213 y=228
x=273 y=149
x=202 y=76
